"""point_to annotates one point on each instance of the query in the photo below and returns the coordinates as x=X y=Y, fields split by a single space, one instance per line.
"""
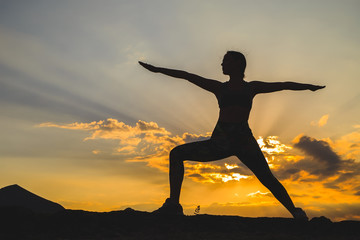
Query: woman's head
x=234 y=63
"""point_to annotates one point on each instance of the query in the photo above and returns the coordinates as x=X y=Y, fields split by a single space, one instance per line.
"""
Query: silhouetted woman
x=232 y=135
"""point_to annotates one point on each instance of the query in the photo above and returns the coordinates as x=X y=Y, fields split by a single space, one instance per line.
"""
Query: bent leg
x=203 y=151
x=254 y=159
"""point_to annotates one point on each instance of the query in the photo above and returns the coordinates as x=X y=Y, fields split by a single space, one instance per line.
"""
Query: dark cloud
x=305 y=196
x=331 y=185
x=150 y=126
x=322 y=153
x=287 y=172
x=322 y=163
x=316 y=197
x=196 y=175
x=355 y=145
x=188 y=137
x=341 y=178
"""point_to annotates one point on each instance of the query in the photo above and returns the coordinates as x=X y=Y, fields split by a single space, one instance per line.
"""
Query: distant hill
x=44 y=219
x=16 y=196
x=130 y=224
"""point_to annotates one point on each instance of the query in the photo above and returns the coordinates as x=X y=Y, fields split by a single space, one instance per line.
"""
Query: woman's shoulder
x=255 y=83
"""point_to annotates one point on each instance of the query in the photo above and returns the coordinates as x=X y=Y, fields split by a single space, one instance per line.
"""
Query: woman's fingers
x=148 y=66
x=316 y=87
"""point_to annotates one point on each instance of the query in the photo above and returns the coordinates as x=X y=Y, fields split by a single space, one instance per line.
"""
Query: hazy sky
x=84 y=125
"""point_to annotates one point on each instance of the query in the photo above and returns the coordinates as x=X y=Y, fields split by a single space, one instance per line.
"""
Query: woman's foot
x=170 y=208
x=300 y=214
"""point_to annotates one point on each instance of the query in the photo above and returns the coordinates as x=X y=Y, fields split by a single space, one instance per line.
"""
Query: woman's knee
x=176 y=154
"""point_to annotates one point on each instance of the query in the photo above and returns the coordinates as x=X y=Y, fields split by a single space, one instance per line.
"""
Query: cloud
x=311 y=163
x=95 y=152
x=73 y=126
x=271 y=145
x=149 y=143
x=322 y=154
x=318 y=161
x=212 y=173
x=259 y=194
x=112 y=129
x=144 y=142
x=320 y=164
x=348 y=145
x=322 y=121
x=188 y=137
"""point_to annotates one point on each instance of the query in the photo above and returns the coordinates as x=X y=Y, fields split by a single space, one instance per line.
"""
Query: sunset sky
x=84 y=125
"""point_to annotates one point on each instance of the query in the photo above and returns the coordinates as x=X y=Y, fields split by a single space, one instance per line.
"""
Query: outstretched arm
x=264 y=87
x=207 y=84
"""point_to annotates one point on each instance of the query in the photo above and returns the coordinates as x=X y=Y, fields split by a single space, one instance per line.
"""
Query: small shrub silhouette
x=197 y=210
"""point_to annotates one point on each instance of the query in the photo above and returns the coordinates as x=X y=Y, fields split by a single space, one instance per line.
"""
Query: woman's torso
x=235 y=102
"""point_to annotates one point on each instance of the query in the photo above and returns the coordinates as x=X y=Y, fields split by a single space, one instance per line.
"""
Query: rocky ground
x=18 y=223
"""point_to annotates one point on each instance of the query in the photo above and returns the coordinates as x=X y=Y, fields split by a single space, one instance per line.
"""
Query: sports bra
x=240 y=97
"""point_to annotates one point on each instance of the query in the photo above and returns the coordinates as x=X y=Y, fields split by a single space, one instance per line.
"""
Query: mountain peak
x=17 y=196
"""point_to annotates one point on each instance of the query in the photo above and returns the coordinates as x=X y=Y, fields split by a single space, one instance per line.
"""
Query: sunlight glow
x=232 y=166
x=271 y=145
x=259 y=194
x=232 y=177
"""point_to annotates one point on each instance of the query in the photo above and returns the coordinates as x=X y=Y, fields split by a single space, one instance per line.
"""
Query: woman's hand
x=149 y=67
x=315 y=87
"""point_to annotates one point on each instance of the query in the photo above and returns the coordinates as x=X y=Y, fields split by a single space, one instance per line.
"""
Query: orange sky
x=311 y=169
x=84 y=125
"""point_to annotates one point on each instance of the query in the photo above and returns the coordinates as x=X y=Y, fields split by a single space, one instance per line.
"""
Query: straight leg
x=254 y=159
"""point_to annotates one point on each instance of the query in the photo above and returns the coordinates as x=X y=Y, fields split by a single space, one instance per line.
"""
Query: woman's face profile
x=228 y=64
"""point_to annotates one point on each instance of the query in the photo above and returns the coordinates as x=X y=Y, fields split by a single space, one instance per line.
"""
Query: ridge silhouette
x=232 y=135
x=132 y=224
x=16 y=196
